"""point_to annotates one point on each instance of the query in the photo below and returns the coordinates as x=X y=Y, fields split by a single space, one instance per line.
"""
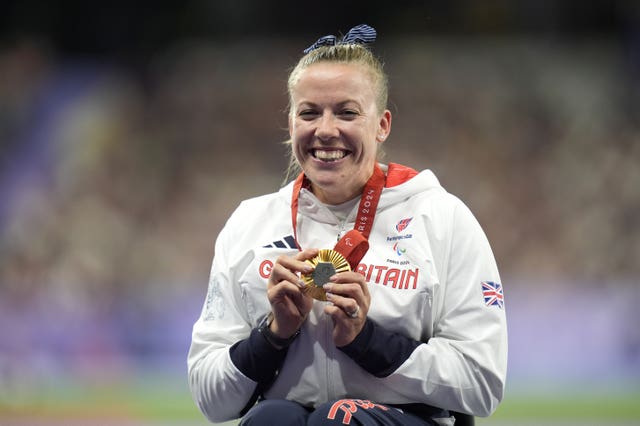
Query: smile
x=329 y=155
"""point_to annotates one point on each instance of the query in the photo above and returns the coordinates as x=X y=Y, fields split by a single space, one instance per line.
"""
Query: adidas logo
x=286 y=242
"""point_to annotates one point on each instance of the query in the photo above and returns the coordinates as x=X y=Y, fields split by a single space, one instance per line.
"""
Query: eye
x=307 y=114
x=349 y=114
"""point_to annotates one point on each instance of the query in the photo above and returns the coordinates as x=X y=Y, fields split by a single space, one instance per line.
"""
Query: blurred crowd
x=114 y=182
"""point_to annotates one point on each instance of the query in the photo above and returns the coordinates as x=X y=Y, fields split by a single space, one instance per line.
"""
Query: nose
x=327 y=128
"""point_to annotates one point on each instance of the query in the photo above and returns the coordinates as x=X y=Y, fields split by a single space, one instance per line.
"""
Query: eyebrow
x=340 y=104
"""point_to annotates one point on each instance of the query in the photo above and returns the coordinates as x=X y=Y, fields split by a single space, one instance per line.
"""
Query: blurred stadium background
x=129 y=132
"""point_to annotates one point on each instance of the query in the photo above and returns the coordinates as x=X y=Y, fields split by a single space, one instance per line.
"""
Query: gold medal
x=326 y=264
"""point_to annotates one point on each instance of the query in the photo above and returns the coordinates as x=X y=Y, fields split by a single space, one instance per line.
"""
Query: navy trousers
x=342 y=412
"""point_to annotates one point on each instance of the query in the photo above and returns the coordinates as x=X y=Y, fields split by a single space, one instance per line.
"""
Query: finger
x=288 y=300
x=306 y=254
x=338 y=315
x=342 y=318
x=348 y=305
x=297 y=263
x=349 y=277
x=288 y=269
x=351 y=290
x=285 y=289
x=280 y=275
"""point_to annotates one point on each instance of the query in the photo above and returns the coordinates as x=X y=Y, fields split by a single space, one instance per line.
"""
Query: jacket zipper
x=329 y=357
x=341 y=229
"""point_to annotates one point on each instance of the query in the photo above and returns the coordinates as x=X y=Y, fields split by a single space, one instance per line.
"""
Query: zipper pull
x=341 y=230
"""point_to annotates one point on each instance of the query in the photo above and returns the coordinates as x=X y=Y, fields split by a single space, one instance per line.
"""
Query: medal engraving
x=326 y=264
x=322 y=273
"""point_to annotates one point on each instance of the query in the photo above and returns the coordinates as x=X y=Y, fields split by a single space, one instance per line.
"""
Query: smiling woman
x=389 y=326
x=335 y=128
x=354 y=56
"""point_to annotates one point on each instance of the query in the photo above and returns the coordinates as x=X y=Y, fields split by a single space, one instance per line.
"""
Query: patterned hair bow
x=361 y=34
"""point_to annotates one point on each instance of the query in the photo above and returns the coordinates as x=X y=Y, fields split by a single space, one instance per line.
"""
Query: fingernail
x=301 y=284
x=329 y=296
x=307 y=269
x=327 y=287
x=333 y=278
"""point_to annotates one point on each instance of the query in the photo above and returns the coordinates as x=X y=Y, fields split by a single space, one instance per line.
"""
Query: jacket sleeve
x=219 y=387
x=462 y=366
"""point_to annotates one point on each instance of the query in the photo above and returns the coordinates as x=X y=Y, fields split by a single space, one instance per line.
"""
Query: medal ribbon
x=354 y=244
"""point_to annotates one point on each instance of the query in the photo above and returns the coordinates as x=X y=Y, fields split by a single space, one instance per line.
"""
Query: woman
x=414 y=326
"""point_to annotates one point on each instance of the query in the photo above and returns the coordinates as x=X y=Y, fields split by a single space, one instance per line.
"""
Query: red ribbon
x=354 y=244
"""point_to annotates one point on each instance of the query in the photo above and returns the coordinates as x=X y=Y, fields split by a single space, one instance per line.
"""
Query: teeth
x=328 y=155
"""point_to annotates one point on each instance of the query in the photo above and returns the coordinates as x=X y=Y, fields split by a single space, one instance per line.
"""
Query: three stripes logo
x=287 y=242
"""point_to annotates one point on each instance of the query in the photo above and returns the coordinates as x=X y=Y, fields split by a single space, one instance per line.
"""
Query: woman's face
x=335 y=128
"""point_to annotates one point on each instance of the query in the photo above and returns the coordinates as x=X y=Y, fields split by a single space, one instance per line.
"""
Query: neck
x=335 y=197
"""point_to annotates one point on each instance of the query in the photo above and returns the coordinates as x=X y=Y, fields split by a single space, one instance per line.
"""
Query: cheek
x=369 y=147
x=296 y=149
x=299 y=136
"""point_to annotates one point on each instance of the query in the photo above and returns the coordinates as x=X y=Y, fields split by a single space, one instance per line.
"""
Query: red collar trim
x=398 y=174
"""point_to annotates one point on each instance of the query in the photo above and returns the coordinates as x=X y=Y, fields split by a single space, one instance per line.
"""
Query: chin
x=326 y=182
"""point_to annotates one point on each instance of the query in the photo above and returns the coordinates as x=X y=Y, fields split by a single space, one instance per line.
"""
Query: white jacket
x=427 y=261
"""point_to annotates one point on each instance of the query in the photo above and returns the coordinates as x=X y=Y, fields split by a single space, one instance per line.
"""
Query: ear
x=384 y=126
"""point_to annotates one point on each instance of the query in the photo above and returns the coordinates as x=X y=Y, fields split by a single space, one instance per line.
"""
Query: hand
x=350 y=301
x=289 y=304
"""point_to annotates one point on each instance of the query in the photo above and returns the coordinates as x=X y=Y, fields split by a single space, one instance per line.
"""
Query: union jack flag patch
x=492 y=293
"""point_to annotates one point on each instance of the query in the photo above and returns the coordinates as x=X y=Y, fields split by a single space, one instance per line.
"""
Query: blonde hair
x=343 y=54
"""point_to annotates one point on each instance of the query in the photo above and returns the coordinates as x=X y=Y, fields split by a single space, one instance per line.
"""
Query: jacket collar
x=402 y=183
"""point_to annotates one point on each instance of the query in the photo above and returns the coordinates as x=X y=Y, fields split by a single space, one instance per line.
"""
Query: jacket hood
x=404 y=182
